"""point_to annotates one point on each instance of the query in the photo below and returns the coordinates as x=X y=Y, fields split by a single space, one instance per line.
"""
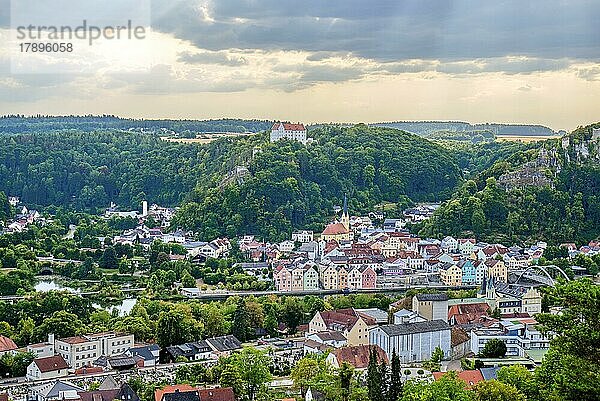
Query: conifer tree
x=395 y=386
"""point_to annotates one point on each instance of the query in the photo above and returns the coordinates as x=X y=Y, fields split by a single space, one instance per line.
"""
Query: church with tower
x=339 y=230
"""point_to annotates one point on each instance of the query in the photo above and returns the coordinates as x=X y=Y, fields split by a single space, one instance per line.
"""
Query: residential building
x=468 y=272
x=148 y=353
x=497 y=269
x=109 y=390
x=468 y=315
x=50 y=367
x=194 y=351
x=352 y=325
x=185 y=392
x=282 y=278
x=449 y=244
x=330 y=338
x=460 y=342
x=303 y=236
x=286 y=246
x=358 y=356
x=368 y=277
x=406 y=316
x=53 y=391
x=7 y=346
x=43 y=349
x=224 y=345
x=450 y=274
x=466 y=246
x=377 y=315
x=298 y=278
x=480 y=271
x=431 y=306
x=355 y=278
x=512 y=299
x=328 y=276
x=83 y=350
x=310 y=278
x=413 y=342
x=470 y=377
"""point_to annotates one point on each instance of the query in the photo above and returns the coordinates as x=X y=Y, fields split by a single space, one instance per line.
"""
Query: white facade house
x=42 y=350
x=295 y=132
x=50 y=367
x=331 y=338
x=286 y=246
x=303 y=236
x=413 y=342
x=406 y=316
x=80 y=351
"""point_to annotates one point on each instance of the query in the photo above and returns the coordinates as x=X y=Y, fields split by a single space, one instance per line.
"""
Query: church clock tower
x=345 y=216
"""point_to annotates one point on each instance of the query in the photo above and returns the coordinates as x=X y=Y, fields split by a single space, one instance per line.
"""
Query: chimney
x=145 y=208
x=51 y=339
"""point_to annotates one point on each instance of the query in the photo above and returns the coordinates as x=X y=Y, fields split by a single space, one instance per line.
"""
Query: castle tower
x=345 y=216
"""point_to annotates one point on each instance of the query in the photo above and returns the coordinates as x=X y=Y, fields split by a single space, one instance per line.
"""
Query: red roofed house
x=353 y=326
x=7 y=346
x=184 y=392
x=471 y=377
x=295 y=132
x=50 y=367
x=357 y=356
x=467 y=314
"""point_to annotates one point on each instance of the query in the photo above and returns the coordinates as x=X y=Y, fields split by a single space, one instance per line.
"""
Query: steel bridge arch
x=542 y=268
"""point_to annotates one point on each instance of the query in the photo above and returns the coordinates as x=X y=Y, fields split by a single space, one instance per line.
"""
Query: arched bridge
x=541 y=274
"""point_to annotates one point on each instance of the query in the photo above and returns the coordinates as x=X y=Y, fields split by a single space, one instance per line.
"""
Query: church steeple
x=345 y=216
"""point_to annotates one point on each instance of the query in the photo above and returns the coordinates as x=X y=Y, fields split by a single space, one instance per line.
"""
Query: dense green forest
x=428 y=128
x=297 y=184
x=289 y=185
x=21 y=124
x=567 y=210
x=248 y=185
x=87 y=170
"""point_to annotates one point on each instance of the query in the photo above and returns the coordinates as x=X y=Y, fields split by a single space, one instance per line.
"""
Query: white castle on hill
x=296 y=132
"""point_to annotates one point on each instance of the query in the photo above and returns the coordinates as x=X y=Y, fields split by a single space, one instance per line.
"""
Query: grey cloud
x=161 y=80
x=508 y=65
x=324 y=55
x=390 y=30
x=221 y=58
x=589 y=73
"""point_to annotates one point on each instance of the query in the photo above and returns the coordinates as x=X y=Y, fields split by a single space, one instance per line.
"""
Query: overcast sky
x=337 y=60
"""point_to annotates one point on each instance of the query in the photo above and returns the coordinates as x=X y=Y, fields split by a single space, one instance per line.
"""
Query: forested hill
x=551 y=193
x=288 y=185
x=88 y=170
x=39 y=124
x=427 y=128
